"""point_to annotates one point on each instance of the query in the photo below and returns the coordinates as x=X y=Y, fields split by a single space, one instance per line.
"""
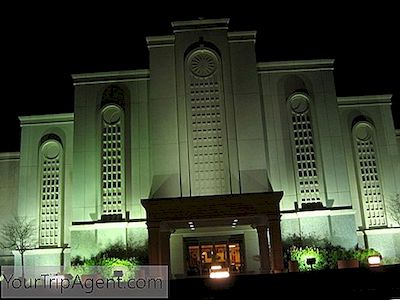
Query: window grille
x=303 y=143
x=207 y=129
x=112 y=160
x=368 y=174
x=51 y=194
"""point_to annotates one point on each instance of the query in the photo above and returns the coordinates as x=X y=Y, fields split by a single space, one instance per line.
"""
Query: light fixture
x=220 y=274
x=374 y=261
x=232 y=246
x=217 y=272
x=311 y=261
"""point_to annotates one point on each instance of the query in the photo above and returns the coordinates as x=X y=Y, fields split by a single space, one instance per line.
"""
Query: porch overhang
x=260 y=210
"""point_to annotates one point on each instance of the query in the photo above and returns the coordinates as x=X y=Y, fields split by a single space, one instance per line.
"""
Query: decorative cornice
x=160 y=41
x=110 y=77
x=9 y=156
x=66 y=118
x=295 y=66
x=368 y=100
x=201 y=24
x=317 y=213
x=242 y=36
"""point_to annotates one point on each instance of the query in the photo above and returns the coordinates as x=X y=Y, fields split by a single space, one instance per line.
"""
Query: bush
x=362 y=255
x=326 y=254
x=131 y=250
x=115 y=255
x=301 y=255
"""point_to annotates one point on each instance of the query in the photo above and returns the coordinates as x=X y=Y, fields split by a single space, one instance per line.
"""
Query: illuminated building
x=197 y=152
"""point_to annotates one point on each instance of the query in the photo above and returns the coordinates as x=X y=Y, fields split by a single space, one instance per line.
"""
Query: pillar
x=264 y=248
x=153 y=229
x=276 y=243
x=165 y=247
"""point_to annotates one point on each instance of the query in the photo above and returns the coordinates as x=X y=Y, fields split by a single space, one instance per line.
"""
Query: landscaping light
x=217 y=271
x=311 y=261
x=222 y=274
x=374 y=260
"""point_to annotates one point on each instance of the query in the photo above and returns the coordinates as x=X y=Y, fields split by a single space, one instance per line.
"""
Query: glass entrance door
x=202 y=254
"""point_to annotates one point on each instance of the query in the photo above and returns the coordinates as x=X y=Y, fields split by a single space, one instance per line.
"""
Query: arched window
x=368 y=175
x=112 y=159
x=305 y=162
x=51 y=195
x=208 y=155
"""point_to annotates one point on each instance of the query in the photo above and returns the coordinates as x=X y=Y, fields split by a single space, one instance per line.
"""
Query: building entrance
x=202 y=253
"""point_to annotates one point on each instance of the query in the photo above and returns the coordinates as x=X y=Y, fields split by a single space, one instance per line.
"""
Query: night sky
x=42 y=47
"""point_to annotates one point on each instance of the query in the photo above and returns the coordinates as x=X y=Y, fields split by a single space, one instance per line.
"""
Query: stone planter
x=348 y=263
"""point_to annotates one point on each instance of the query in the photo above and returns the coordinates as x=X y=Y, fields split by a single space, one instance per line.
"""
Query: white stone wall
x=34 y=129
x=248 y=115
x=87 y=142
x=278 y=81
x=377 y=110
x=9 y=174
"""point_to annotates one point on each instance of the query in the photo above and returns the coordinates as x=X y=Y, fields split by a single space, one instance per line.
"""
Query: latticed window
x=112 y=160
x=51 y=162
x=368 y=174
x=207 y=133
x=304 y=150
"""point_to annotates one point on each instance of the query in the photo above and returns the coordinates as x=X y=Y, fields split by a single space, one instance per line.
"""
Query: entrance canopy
x=260 y=210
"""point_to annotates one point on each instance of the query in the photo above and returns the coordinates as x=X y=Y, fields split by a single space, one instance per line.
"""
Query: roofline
x=160 y=41
x=201 y=24
x=9 y=156
x=242 y=36
x=295 y=66
x=367 y=100
x=66 y=118
x=109 y=77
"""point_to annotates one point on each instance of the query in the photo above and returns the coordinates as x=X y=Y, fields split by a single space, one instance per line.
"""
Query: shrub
x=326 y=254
x=115 y=255
x=362 y=255
x=301 y=255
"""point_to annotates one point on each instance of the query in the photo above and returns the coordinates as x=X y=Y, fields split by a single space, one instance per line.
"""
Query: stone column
x=165 y=247
x=153 y=229
x=276 y=243
x=264 y=248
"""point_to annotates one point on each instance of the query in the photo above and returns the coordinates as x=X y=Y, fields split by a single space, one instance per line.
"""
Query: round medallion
x=51 y=149
x=299 y=103
x=363 y=131
x=203 y=64
x=112 y=114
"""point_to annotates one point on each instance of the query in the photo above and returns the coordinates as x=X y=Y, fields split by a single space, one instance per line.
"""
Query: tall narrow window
x=112 y=160
x=304 y=150
x=51 y=162
x=209 y=172
x=368 y=174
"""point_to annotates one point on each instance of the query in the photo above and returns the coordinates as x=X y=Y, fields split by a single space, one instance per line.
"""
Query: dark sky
x=42 y=47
